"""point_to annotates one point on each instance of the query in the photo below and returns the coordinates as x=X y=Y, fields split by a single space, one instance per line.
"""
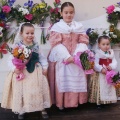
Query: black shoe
x=44 y=115
x=99 y=107
x=21 y=117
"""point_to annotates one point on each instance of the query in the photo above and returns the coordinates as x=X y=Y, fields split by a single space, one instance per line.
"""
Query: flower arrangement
x=93 y=36
x=113 y=78
x=40 y=12
x=85 y=60
x=113 y=33
x=3 y=49
x=113 y=12
x=21 y=56
x=55 y=12
x=35 y=13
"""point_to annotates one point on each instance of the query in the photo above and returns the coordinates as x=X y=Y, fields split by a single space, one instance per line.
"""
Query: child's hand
x=69 y=60
x=17 y=71
x=44 y=71
x=103 y=71
x=109 y=68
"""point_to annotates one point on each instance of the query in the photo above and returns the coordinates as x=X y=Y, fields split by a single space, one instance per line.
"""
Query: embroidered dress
x=100 y=91
x=32 y=93
x=68 y=83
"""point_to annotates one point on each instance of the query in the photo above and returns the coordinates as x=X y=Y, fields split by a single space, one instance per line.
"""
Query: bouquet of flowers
x=85 y=60
x=21 y=56
x=93 y=35
x=113 y=78
x=113 y=33
x=113 y=12
x=55 y=12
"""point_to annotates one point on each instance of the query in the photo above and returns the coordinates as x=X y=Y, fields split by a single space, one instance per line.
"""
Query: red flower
x=3 y=48
x=29 y=16
x=57 y=1
x=51 y=10
x=2 y=24
x=56 y=10
x=110 y=9
x=6 y=9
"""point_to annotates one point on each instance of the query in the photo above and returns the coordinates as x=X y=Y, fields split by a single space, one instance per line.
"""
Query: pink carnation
x=57 y=1
x=110 y=9
x=51 y=10
x=6 y=9
x=29 y=16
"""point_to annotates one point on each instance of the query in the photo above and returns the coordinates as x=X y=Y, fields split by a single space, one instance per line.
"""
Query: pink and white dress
x=68 y=84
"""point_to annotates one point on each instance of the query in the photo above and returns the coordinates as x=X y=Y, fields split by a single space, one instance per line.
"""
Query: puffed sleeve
x=10 y=64
x=55 y=38
x=97 y=67
x=114 y=62
x=59 y=53
x=83 y=38
x=43 y=60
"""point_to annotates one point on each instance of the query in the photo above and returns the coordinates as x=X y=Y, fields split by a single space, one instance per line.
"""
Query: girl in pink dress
x=68 y=84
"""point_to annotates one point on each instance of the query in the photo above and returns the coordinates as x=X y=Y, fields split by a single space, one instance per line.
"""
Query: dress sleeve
x=97 y=67
x=43 y=60
x=114 y=63
x=55 y=38
x=10 y=64
x=83 y=38
x=59 y=53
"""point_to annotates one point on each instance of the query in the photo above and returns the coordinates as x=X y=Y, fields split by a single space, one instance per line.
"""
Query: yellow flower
x=42 y=5
x=33 y=10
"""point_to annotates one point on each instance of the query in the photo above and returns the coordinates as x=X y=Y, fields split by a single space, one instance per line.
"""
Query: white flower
x=107 y=34
x=19 y=50
x=117 y=9
x=106 y=31
x=26 y=55
x=114 y=36
x=1 y=28
x=13 y=6
x=25 y=51
x=111 y=33
x=59 y=6
x=23 y=10
x=29 y=51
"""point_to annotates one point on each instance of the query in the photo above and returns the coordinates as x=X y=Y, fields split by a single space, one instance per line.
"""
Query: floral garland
x=93 y=35
x=35 y=13
x=113 y=12
x=113 y=33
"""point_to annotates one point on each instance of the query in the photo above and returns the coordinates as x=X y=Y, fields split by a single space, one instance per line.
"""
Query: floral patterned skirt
x=28 y=95
x=94 y=90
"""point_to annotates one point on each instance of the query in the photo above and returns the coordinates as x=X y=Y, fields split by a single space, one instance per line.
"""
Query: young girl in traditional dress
x=68 y=83
x=31 y=93
x=100 y=92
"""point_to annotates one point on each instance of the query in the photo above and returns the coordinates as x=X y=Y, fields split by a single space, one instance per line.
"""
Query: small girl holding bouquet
x=30 y=92
x=100 y=91
x=68 y=83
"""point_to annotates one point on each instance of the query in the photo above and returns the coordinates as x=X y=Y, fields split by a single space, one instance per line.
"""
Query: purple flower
x=42 y=1
x=88 y=31
x=11 y=2
x=118 y=3
x=29 y=3
x=2 y=16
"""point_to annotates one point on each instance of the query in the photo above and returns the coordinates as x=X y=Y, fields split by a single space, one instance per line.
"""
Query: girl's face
x=104 y=45
x=68 y=14
x=28 y=34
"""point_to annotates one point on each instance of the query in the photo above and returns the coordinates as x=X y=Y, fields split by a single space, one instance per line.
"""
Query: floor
x=83 y=112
